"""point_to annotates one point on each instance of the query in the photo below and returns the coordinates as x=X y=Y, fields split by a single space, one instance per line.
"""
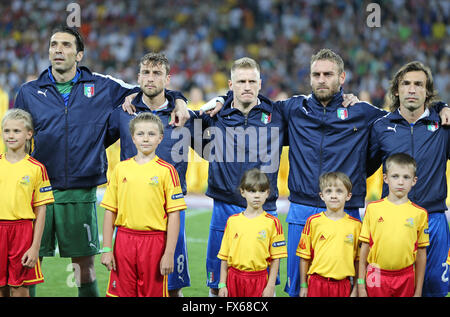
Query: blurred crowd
x=202 y=37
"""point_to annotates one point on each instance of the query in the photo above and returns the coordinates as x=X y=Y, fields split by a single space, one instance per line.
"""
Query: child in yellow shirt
x=394 y=237
x=253 y=241
x=328 y=247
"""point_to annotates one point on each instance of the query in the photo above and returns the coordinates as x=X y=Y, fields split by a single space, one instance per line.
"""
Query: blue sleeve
x=175 y=94
x=448 y=143
x=118 y=90
x=373 y=113
x=113 y=131
x=20 y=102
x=288 y=107
x=375 y=154
x=438 y=106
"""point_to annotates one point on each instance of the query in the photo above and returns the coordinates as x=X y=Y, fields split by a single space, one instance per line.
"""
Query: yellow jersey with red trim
x=23 y=186
x=143 y=194
x=332 y=246
x=394 y=232
x=448 y=257
x=250 y=244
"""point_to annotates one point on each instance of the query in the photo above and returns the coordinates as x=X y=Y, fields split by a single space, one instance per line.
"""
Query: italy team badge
x=266 y=117
x=342 y=113
x=433 y=126
x=89 y=90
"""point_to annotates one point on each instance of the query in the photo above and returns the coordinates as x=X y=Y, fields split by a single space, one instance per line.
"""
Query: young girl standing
x=24 y=192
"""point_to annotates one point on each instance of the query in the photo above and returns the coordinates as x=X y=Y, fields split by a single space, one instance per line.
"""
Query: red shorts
x=16 y=237
x=138 y=255
x=319 y=286
x=246 y=284
x=390 y=283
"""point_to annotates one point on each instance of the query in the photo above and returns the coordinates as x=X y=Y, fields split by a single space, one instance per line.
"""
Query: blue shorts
x=296 y=219
x=436 y=273
x=220 y=214
x=180 y=278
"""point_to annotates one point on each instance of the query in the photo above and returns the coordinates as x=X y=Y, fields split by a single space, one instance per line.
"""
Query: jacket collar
x=432 y=116
x=264 y=104
x=335 y=102
x=137 y=101
x=83 y=74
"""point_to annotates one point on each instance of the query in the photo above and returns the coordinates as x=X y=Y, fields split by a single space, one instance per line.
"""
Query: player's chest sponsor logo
x=89 y=90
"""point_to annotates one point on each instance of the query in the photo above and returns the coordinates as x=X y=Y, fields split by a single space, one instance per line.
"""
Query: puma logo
x=42 y=92
x=392 y=128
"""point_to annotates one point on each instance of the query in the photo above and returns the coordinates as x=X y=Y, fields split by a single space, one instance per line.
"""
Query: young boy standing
x=253 y=241
x=143 y=200
x=394 y=237
x=328 y=247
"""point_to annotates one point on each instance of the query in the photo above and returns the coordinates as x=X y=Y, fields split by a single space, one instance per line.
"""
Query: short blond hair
x=145 y=117
x=401 y=159
x=329 y=179
x=246 y=63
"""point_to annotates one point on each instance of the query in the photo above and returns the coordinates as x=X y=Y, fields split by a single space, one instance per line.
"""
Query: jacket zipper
x=412 y=192
x=321 y=147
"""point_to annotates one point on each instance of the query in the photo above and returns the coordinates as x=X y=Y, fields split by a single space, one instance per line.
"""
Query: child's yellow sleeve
x=225 y=245
x=43 y=193
x=423 y=237
x=364 y=235
x=110 y=201
x=304 y=246
x=174 y=194
x=278 y=248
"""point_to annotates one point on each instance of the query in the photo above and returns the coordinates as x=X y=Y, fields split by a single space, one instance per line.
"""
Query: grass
x=59 y=281
x=59 y=277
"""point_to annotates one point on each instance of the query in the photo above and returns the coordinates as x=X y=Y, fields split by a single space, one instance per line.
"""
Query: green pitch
x=59 y=276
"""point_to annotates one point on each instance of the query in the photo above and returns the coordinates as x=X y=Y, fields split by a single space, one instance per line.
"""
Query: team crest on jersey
x=266 y=118
x=154 y=181
x=342 y=113
x=25 y=180
x=262 y=235
x=433 y=126
x=89 y=90
x=349 y=238
x=409 y=222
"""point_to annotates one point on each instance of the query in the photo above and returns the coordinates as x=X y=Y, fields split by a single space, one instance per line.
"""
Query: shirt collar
x=74 y=80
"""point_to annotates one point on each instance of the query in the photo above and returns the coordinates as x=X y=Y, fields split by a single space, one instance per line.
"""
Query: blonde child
x=394 y=237
x=253 y=241
x=24 y=192
x=328 y=247
x=142 y=200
